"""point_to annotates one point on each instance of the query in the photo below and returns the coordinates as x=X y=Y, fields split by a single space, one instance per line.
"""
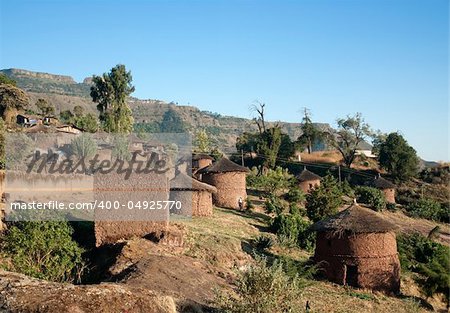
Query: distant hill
x=65 y=93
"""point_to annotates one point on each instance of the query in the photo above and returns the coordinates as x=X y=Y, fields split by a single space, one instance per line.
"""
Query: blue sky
x=387 y=59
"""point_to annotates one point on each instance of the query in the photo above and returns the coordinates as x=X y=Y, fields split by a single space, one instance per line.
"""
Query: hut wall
x=374 y=255
x=306 y=186
x=230 y=187
x=193 y=203
x=389 y=194
x=125 y=223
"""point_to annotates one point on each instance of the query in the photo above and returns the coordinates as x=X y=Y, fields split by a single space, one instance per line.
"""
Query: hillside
x=65 y=93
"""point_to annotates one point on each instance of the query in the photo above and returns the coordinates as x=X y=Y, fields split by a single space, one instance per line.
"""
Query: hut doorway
x=351 y=275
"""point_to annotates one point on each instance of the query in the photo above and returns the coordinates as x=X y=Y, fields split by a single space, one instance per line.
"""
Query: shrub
x=391 y=206
x=429 y=260
x=249 y=204
x=286 y=226
x=295 y=195
x=347 y=189
x=43 y=250
x=263 y=288
x=371 y=196
x=429 y=209
x=274 y=205
x=293 y=230
x=324 y=200
x=263 y=242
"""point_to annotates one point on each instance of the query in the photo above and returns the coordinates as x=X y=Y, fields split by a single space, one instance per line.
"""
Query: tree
x=84 y=146
x=110 y=92
x=202 y=142
x=43 y=249
x=45 y=107
x=310 y=133
x=398 y=158
x=12 y=99
x=351 y=132
x=87 y=123
x=324 y=200
x=259 y=107
x=275 y=182
x=78 y=110
x=6 y=80
x=378 y=138
x=287 y=147
x=269 y=146
x=172 y=122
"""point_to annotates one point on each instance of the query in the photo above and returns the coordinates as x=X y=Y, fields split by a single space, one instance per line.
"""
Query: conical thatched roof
x=355 y=219
x=222 y=166
x=201 y=156
x=184 y=182
x=306 y=175
x=381 y=183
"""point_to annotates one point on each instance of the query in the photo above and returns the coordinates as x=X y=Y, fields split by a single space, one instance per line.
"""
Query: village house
x=307 y=180
x=195 y=197
x=27 y=120
x=201 y=160
x=229 y=179
x=386 y=187
x=358 y=248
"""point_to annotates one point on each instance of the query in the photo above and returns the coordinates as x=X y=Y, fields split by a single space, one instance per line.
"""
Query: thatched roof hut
x=229 y=179
x=357 y=247
x=195 y=197
x=308 y=180
x=386 y=186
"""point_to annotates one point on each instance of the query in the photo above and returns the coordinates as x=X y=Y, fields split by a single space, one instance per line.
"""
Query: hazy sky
x=387 y=59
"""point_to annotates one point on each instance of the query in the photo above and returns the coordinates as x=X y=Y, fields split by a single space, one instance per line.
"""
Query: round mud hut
x=308 y=180
x=358 y=248
x=201 y=160
x=386 y=187
x=229 y=179
x=195 y=197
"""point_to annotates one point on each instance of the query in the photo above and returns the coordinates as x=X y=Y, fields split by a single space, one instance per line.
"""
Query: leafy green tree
x=398 y=158
x=78 y=110
x=45 y=107
x=87 y=123
x=287 y=147
x=377 y=141
x=373 y=197
x=310 y=132
x=276 y=182
x=121 y=147
x=84 y=146
x=324 y=200
x=269 y=146
x=202 y=142
x=172 y=122
x=351 y=131
x=110 y=91
x=12 y=99
x=43 y=249
x=6 y=80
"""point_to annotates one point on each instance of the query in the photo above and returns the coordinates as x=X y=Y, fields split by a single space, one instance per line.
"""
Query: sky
x=387 y=59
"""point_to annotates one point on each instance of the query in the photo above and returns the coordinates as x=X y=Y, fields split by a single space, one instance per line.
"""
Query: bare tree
x=258 y=107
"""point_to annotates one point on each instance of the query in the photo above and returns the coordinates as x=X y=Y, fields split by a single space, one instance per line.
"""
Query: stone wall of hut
x=306 y=186
x=230 y=187
x=389 y=195
x=374 y=255
x=193 y=203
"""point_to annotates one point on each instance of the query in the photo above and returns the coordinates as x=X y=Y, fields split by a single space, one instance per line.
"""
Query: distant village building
x=195 y=197
x=357 y=247
x=28 y=120
x=229 y=179
x=308 y=180
x=365 y=148
x=386 y=187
